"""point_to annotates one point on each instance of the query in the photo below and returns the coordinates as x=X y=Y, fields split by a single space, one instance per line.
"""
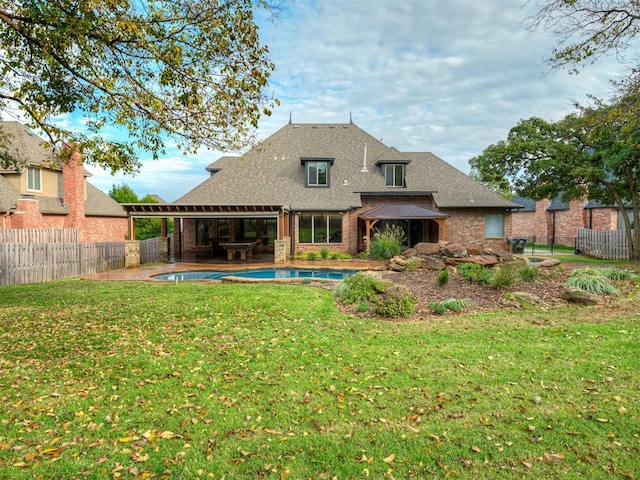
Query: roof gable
x=25 y=146
x=272 y=173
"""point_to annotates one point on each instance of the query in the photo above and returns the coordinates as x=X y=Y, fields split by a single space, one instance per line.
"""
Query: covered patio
x=423 y=224
x=224 y=232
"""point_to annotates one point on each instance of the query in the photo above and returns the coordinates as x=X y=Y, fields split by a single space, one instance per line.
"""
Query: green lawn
x=189 y=380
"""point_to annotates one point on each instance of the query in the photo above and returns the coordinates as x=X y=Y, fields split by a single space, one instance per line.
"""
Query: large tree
x=586 y=29
x=145 y=227
x=594 y=153
x=194 y=72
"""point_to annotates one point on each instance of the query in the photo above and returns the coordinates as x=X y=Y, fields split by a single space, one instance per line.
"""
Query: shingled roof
x=24 y=145
x=30 y=149
x=272 y=173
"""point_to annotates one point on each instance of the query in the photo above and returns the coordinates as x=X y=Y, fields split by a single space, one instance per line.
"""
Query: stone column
x=281 y=250
x=131 y=254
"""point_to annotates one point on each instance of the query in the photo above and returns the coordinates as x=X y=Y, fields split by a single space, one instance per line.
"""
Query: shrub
x=363 y=307
x=596 y=284
x=610 y=273
x=359 y=288
x=387 y=243
x=397 y=305
x=438 y=308
x=475 y=273
x=324 y=252
x=413 y=264
x=312 y=255
x=334 y=255
x=528 y=273
x=363 y=255
x=502 y=278
x=442 y=278
x=453 y=304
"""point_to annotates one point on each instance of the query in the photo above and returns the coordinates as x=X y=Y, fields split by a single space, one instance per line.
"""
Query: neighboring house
x=553 y=221
x=310 y=186
x=44 y=193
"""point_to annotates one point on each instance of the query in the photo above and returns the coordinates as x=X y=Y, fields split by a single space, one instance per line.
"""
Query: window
x=319 y=228
x=394 y=175
x=317 y=174
x=494 y=225
x=34 y=181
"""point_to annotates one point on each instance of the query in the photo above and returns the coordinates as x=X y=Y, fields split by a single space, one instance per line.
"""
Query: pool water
x=262 y=273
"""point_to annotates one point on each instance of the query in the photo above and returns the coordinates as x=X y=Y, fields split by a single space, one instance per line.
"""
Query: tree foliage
x=144 y=227
x=586 y=29
x=193 y=71
x=123 y=194
x=593 y=153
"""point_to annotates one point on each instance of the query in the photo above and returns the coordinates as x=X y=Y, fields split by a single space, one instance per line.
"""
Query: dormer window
x=394 y=175
x=317 y=171
x=394 y=172
x=34 y=179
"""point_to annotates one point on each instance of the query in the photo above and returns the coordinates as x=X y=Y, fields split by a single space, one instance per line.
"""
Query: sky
x=446 y=76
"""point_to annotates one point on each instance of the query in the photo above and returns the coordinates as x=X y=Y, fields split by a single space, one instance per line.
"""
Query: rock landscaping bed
x=417 y=272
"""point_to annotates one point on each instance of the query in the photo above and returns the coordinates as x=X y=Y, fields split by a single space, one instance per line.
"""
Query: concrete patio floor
x=146 y=272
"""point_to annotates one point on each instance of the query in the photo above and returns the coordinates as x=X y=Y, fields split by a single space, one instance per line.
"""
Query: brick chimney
x=73 y=189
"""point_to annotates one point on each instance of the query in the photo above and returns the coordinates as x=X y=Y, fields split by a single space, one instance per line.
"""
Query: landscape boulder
x=427 y=249
x=544 y=263
x=484 y=260
x=522 y=299
x=474 y=249
x=455 y=250
x=575 y=295
x=398 y=264
x=433 y=263
x=410 y=252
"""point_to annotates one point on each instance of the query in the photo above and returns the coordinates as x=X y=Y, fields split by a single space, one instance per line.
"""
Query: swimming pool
x=259 y=274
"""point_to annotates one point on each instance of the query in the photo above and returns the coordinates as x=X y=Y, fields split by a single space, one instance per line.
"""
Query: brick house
x=554 y=221
x=310 y=186
x=46 y=193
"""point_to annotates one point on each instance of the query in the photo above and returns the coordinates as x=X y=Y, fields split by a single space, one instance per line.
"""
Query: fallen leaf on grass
x=552 y=458
x=389 y=459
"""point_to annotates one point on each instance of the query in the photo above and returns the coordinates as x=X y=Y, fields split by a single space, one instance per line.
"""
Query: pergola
x=165 y=211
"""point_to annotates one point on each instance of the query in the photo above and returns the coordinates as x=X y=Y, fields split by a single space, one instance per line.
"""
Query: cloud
x=449 y=77
x=170 y=177
x=422 y=75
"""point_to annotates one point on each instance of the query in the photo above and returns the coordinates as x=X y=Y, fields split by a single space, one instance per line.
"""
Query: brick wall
x=523 y=225
x=602 y=218
x=26 y=215
x=90 y=229
x=73 y=192
x=468 y=226
x=104 y=229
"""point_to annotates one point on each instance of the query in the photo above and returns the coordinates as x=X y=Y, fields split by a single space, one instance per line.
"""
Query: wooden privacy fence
x=40 y=262
x=39 y=235
x=149 y=250
x=605 y=244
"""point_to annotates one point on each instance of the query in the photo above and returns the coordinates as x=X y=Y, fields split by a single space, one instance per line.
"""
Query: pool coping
x=146 y=272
